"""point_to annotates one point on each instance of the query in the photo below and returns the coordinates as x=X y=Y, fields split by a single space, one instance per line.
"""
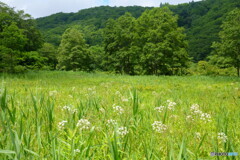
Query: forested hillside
x=89 y=20
x=202 y=21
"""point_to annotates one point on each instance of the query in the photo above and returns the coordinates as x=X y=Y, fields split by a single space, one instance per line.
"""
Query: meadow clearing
x=76 y=115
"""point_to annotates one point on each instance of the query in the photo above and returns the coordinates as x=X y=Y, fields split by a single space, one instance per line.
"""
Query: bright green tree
x=229 y=45
x=162 y=42
x=72 y=52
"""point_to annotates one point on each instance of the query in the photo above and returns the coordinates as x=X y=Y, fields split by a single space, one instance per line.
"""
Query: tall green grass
x=32 y=106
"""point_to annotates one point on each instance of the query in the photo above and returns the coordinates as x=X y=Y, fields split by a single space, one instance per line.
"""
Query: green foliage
x=12 y=40
x=162 y=42
x=230 y=40
x=39 y=113
x=72 y=52
x=152 y=44
x=31 y=60
x=119 y=43
x=12 y=37
x=49 y=52
x=91 y=19
x=201 y=20
x=209 y=69
x=18 y=34
x=96 y=54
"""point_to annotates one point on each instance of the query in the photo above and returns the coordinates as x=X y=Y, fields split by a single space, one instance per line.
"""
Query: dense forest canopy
x=201 y=20
x=128 y=40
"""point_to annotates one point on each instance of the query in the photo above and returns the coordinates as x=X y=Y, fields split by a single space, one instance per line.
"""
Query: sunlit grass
x=34 y=105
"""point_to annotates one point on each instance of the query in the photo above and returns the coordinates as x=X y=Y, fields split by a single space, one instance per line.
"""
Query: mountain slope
x=202 y=21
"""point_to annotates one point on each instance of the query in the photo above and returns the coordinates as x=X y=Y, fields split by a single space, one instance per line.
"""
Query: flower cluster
x=118 y=93
x=102 y=110
x=195 y=109
x=197 y=113
x=62 y=124
x=159 y=127
x=83 y=124
x=122 y=131
x=111 y=122
x=76 y=151
x=118 y=109
x=124 y=99
x=222 y=136
x=171 y=105
x=92 y=91
x=159 y=109
x=121 y=96
x=205 y=117
x=198 y=135
x=69 y=109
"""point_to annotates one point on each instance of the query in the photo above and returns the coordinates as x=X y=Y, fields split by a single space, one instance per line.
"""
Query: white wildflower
x=124 y=99
x=66 y=108
x=62 y=125
x=76 y=151
x=92 y=91
x=195 y=109
x=118 y=109
x=74 y=110
x=159 y=127
x=111 y=122
x=189 y=117
x=159 y=109
x=122 y=131
x=102 y=110
x=69 y=109
x=197 y=113
x=222 y=136
x=198 y=135
x=171 y=105
x=83 y=124
x=206 y=117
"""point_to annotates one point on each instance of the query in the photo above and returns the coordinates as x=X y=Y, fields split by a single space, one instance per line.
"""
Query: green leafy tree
x=229 y=45
x=49 y=52
x=18 y=34
x=72 y=52
x=162 y=42
x=12 y=41
x=96 y=57
x=119 y=39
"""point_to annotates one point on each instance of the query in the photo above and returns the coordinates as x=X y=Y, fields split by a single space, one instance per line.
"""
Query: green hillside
x=202 y=21
x=89 y=20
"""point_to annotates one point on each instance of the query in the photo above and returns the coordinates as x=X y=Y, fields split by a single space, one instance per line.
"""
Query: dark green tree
x=229 y=45
x=118 y=42
x=12 y=42
x=49 y=52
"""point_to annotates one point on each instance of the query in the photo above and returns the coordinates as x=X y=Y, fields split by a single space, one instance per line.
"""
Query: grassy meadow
x=75 y=115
